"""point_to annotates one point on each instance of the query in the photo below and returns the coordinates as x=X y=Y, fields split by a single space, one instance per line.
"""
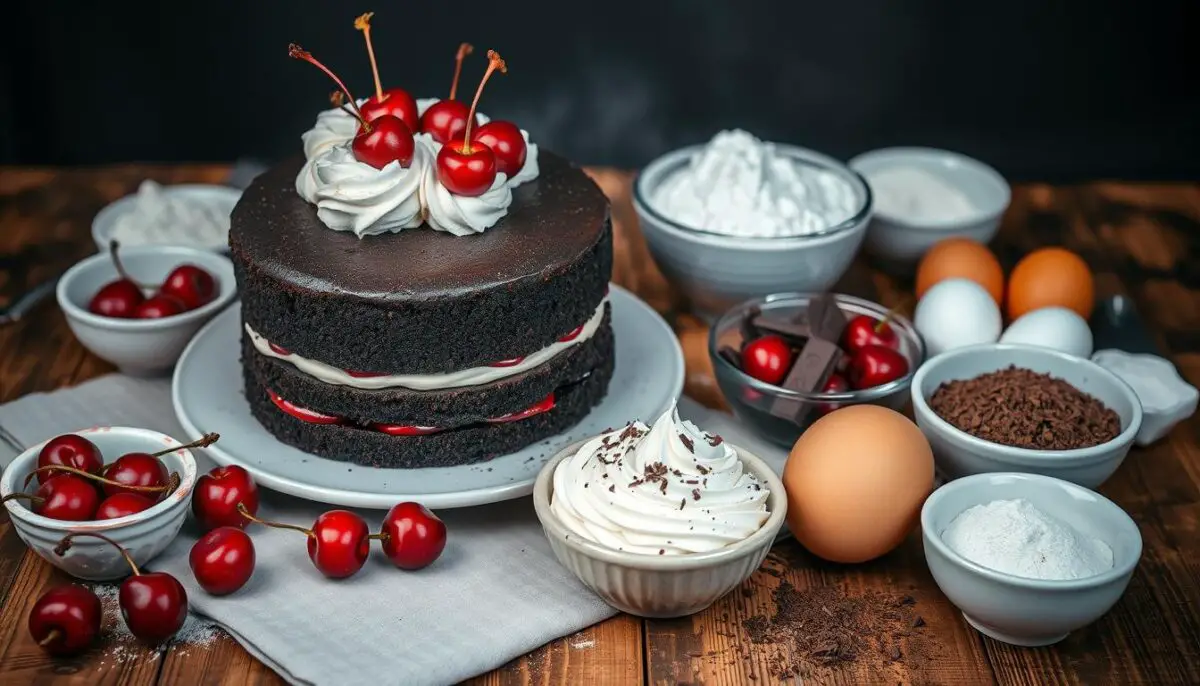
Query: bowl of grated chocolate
x=1015 y=408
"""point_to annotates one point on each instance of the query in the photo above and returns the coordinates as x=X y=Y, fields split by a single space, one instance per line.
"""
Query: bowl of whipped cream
x=738 y=218
x=662 y=520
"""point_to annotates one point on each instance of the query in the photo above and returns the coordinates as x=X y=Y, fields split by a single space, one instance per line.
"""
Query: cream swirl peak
x=461 y=215
x=354 y=196
x=668 y=490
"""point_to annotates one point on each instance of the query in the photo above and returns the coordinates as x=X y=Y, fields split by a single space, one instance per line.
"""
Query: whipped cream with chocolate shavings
x=670 y=489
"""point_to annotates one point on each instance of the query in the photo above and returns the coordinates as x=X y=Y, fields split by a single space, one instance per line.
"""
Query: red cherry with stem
x=123 y=505
x=865 y=330
x=338 y=543
x=69 y=450
x=192 y=286
x=767 y=358
x=394 y=102
x=135 y=469
x=446 y=120
x=217 y=495
x=506 y=143
x=67 y=497
x=159 y=306
x=117 y=298
x=66 y=620
x=875 y=365
x=464 y=167
x=153 y=604
x=412 y=536
x=836 y=383
x=375 y=150
x=222 y=560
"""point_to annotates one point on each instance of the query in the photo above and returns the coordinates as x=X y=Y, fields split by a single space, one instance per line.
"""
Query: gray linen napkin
x=496 y=593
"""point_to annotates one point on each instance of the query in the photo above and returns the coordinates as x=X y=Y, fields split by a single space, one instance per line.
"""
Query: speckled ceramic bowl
x=667 y=586
x=144 y=534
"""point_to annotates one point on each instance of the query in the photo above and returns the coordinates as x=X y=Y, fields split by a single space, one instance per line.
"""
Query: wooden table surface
x=1143 y=240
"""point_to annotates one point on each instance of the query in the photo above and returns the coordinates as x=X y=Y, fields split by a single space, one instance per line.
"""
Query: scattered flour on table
x=1015 y=537
x=118 y=645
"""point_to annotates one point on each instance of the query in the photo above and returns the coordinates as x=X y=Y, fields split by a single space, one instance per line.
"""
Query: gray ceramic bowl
x=1018 y=610
x=145 y=534
x=667 y=586
x=960 y=454
x=716 y=271
x=140 y=346
x=899 y=242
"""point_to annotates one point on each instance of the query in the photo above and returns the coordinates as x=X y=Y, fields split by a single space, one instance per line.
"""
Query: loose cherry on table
x=379 y=141
x=338 y=542
x=123 y=505
x=218 y=494
x=446 y=119
x=865 y=330
x=463 y=166
x=875 y=365
x=222 y=560
x=412 y=536
x=393 y=102
x=767 y=358
x=66 y=620
x=66 y=497
x=68 y=450
x=154 y=604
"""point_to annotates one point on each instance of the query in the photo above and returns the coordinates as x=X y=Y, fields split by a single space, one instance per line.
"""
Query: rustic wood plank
x=223 y=661
x=607 y=653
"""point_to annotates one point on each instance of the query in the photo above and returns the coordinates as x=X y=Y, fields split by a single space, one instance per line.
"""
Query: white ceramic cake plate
x=208 y=394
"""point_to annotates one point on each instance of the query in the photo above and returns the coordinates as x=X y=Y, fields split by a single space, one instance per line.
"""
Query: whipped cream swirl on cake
x=668 y=490
x=463 y=215
x=354 y=196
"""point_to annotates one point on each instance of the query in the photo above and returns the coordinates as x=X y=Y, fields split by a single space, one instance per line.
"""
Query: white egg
x=956 y=313
x=1051 y=327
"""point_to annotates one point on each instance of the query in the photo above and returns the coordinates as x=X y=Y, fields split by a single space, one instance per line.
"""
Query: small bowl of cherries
x=788 y=359
x=138 y=307
x=131 y=485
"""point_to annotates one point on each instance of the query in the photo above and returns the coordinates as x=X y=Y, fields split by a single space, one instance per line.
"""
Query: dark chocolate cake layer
x=449 y=407
x=422 y=301
x=463 y=445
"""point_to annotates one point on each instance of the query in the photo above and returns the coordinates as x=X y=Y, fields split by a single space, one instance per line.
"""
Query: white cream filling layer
x=473 y=376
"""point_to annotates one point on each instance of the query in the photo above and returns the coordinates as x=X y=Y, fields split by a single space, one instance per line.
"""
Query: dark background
x=1040 y=88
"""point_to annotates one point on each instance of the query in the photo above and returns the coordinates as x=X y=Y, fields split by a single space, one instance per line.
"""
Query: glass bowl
x=751 y=399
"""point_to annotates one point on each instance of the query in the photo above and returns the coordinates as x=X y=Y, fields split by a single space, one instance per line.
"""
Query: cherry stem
x=887 y=317
x=339 y=101
x=13 y=496
x=202 y=442
x=381 y=536
x=299 y=53
x=274 y=525
x=171 y=485
x=464 y=49
x=494 y=63
x=65 y=544
x=363 y=23
x=51 y=637
x=113 y=250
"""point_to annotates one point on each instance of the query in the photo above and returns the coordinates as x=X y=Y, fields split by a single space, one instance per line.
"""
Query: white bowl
x=140 y=346
x=899 y=242
x=717 y=272
x=666 y=586
x=1157 y=418
x=144 y=534
x=960 y=454
x=221 y=198
x=1019 y=610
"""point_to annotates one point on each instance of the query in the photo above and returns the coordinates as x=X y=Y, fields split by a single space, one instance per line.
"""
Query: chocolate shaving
x=687 y=443
x=682 y=502
x=714 y=440
x=695 y=494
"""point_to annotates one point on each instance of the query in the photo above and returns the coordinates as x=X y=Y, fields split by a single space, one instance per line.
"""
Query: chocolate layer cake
x=421 y=348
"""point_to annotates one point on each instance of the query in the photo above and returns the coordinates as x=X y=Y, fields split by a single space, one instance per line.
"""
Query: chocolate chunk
x=796 y=332
x=748 y=329
x=731 y=356
x=817 y=359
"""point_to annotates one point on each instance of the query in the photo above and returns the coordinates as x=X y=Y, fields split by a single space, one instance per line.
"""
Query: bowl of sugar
x=739 y=218
x=925 y=195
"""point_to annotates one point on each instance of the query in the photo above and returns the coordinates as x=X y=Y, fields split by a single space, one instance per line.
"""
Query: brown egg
x=855 y=483
x=1051 y=277
x=961 y=258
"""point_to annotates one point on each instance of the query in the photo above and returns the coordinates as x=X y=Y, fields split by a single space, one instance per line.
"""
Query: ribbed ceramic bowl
x=958 y=453
x=1018 y=610
x=140 y=346
x=717 y=271
x=661 y=586
x=144 y=535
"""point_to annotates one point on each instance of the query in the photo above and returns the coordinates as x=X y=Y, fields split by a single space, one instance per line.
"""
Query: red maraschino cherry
x=412 y=536
x=338 y=542
x=190 y=285
x=66 y=497
x=158 y=306
x=123 y=505
x=153 y=604
x=217 y=495
x=464 y=167
x=507 y=144
x=875 y=365
x=379 y=142
x=66 y=620
x=446 y=119
x=117 y=298
x=222 y=560
x=865 y=330
x=69 y=450
x=394 y=102
x=767 y=358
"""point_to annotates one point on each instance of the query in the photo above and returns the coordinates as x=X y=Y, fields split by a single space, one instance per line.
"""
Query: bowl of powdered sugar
x=739 y=218
x=1028 y=558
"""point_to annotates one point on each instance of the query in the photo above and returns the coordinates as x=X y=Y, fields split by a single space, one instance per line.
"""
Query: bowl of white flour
x=739 y=218
x=1028 y=558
